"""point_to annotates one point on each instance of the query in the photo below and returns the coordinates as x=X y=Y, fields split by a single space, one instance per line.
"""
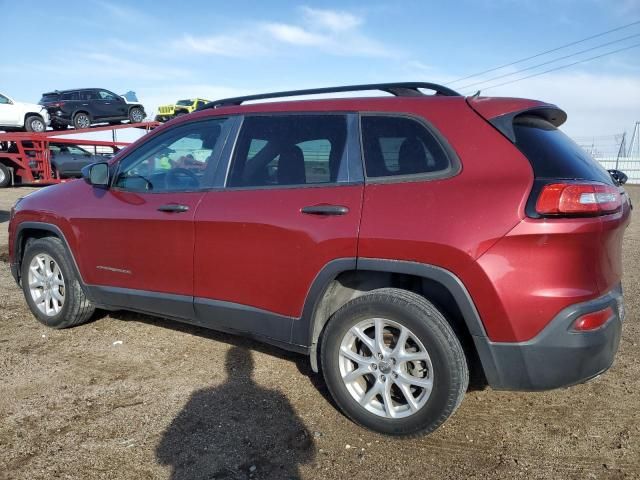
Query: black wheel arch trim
x=306 y=331
x=45 y=227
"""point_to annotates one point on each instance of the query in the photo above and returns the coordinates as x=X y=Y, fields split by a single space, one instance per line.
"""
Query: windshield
x=184 y=103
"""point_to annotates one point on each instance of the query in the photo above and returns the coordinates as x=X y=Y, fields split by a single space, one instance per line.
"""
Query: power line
x=545 y=52
x=548 y=62
x=562 y=66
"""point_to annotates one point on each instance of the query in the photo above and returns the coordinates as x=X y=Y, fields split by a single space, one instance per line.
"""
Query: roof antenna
x=476 y=95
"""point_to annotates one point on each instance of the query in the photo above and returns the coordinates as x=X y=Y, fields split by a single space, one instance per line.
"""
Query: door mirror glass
x=97 y=174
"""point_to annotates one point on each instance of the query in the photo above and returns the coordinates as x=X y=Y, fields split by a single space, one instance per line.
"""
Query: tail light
x=56 y=104
x=585 y=198
x=593 y=320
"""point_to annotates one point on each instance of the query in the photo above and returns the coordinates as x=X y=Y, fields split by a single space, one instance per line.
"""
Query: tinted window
x=3 y=99
x=289 y=150
x=554 y=155
x=400 y=146
x=49 y=97
x=179 y=159
x=70 y=96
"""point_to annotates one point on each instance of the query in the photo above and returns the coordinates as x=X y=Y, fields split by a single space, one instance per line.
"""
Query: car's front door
x=291 y=206
x=110 y=105
x=137 y=237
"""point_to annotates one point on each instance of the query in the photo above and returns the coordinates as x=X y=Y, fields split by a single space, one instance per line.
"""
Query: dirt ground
x=132 y=397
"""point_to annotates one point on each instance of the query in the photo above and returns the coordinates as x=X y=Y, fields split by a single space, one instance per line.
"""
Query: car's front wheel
x=51 y=287
x=393 y=364
x=35 y=123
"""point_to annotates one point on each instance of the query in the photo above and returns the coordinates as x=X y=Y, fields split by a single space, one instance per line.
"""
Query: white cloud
x=329 y=31
x=334 y=20
x=294 y=35
x=239 y=45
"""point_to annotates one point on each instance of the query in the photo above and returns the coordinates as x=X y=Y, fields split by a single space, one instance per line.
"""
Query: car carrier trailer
x=25 y=157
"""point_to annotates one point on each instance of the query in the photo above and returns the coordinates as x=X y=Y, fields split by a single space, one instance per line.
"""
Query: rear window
x=49 y=97
x=553 y=154
x=395 y=146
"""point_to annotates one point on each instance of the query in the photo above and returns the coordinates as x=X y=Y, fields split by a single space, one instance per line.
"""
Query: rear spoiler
x=500 y=112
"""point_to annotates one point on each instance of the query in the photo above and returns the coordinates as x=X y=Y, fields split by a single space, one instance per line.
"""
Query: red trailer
x=25 y=157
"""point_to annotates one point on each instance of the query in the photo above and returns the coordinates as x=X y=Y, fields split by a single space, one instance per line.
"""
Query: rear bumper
x=557 y=357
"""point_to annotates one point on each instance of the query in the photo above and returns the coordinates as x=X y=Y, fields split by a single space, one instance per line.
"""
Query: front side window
x=3 y=99
x=181 y=159
x=105 y=95
x=395 y=146
x=284 y=150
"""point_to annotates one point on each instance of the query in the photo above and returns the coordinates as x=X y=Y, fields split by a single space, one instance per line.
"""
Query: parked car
x=404 y=243
x=83 y=107
x=181 y=107
x=68 y=159
x=22 y=116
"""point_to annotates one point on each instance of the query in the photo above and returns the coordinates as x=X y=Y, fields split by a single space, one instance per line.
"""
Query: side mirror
x=618 y=177
x=96 y=174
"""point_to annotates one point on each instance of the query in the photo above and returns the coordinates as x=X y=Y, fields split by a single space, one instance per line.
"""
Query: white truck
x=22 y=116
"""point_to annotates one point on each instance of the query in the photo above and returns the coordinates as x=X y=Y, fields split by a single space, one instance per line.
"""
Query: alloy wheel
x=46 y=284
x=386 y=368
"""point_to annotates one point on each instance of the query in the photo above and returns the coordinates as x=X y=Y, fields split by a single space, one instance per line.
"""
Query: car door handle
x=325 y=210
x=173 y=208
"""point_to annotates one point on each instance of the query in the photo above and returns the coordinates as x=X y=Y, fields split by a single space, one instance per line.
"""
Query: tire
x=35 y=123
x=136 y=115
x=81 y=120
x=5 y=176
x=437 y=382
x=75 y=308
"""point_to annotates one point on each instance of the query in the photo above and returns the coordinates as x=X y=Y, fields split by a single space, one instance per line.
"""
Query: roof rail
x=399 y=89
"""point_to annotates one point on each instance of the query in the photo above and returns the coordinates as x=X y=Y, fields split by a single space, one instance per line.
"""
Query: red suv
x=402 y=242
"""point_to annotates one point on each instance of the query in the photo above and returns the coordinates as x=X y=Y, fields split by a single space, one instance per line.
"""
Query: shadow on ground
x=301 y=361
x=4 y=216
x=236 y=430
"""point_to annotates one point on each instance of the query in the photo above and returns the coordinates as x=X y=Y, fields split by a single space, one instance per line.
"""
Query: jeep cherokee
x=402 y=242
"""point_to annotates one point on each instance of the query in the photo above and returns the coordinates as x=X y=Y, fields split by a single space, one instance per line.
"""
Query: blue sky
x=167 y=50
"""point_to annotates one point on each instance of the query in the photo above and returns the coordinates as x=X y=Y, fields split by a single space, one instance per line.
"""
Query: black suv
x=85 y=106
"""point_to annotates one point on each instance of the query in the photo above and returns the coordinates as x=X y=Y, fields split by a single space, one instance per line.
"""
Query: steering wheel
x=181 y=178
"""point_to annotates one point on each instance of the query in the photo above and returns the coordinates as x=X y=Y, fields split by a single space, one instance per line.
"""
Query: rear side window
x=396 y=146
x=286 y=150
x=554 y=155
x=70 y=96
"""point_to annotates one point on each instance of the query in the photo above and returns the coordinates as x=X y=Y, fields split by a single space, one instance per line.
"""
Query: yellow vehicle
x=181 y=107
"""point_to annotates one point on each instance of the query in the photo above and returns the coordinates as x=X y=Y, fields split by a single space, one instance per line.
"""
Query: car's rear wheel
x=51 y=287
x=35 y=123
x=136 y=115
x=81 y=120
x=5 y=176
x=393 y=364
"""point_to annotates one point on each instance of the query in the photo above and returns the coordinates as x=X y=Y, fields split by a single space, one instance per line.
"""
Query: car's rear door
x=291 y=206
x=137 y=237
